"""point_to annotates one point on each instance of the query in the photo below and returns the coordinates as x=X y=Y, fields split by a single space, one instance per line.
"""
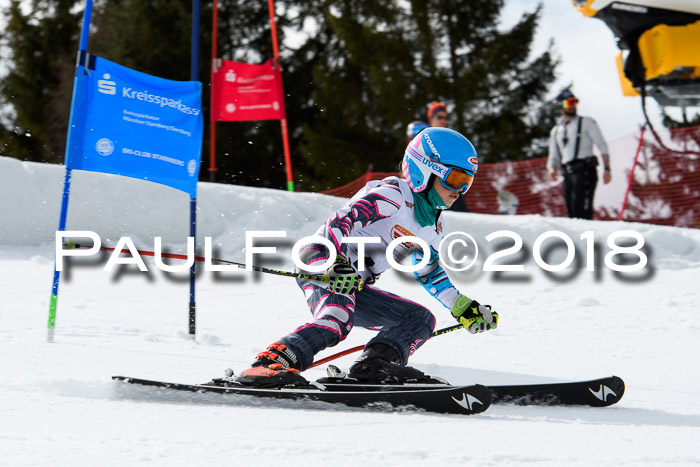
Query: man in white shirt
x=571 y=153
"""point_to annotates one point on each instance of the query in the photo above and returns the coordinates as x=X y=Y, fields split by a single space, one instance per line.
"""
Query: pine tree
x=378 y=64
x=361 y=75
x=35 y=93
x=359 y=72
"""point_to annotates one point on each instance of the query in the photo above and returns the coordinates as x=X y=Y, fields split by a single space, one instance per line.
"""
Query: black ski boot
x=275 y=367
x=380 y=363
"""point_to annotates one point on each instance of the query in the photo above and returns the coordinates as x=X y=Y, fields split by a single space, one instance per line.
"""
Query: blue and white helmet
x=436 y=151
x=414 y=128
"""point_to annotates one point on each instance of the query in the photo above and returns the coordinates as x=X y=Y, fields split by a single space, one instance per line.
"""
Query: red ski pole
x=360 y=347
x=316 y=277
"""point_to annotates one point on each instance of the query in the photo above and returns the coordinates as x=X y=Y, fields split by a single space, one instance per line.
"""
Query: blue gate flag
x=129 y=123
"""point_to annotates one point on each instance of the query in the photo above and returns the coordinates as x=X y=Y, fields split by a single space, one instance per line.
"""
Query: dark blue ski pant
x=402 y=324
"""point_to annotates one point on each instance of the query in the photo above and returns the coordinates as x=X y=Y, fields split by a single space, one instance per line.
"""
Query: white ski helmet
x=441 y=152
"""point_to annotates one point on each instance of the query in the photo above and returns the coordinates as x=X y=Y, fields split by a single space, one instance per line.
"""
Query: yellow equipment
x=660 y=46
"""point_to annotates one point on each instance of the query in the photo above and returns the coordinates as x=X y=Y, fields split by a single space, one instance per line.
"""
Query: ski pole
x=439 y=332
x=312 y=277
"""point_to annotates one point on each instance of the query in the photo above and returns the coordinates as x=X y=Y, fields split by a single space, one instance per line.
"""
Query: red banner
x=242 y=92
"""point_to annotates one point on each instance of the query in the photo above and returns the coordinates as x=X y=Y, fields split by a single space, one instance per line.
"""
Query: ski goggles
x=569 y=103
x=452 y=178
x=457 y=179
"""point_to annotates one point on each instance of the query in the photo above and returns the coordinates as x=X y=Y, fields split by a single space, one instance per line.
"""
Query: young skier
x=438 y=166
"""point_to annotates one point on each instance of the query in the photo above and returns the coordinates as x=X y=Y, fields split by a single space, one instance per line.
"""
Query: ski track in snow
x=58 y=405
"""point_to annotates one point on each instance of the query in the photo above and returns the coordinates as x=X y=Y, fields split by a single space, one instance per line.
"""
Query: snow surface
x=58 y=405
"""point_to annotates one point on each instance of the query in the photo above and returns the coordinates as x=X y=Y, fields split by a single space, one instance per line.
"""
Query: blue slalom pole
x=85 y=30
x=194 y=66
x=193 y=307
x=194 y=76
x=53 y=301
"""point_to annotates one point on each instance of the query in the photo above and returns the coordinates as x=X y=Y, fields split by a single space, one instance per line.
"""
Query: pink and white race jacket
x=385 y=209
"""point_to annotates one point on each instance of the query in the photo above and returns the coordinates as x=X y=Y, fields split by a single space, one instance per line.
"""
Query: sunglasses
x=569 y=103
x=440 y=117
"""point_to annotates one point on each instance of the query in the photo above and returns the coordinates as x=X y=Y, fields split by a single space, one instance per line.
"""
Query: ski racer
x=438 y=166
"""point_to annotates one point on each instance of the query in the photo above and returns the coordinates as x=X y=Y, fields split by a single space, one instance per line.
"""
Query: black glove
x=474 y=316
x=343 y=278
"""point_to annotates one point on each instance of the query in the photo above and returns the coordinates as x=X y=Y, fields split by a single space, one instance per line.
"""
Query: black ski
x=348 y=384
x=434 y=396
x=600 y=392
x=462 y=400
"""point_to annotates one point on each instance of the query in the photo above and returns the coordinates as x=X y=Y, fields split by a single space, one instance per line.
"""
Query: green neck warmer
x=428 y=205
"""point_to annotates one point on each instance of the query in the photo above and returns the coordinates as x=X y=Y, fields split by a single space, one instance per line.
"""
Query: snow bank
x=116 y=206
x=65 y=410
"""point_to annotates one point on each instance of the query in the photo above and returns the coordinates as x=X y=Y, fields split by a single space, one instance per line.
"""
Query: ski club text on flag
x=136 y=125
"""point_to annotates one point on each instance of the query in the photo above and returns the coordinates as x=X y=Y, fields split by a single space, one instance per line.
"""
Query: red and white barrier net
x=665 y=186
x=649 y=183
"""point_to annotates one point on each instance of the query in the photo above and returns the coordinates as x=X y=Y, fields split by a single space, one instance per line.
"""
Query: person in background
x=571 y=144
x=437 y=114
x=414 y=128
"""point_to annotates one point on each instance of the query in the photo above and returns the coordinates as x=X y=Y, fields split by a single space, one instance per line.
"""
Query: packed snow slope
x=58 y=405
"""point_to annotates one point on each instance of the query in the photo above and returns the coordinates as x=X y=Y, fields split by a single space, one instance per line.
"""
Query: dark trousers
x=402 y=324
x=579 y=188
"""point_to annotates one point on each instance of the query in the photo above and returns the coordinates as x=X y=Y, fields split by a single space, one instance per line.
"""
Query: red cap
x=434 y=107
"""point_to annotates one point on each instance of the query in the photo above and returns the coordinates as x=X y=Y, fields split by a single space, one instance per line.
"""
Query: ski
x=436 y=395
x=600 y=392
x=445 y=399
x=348 y=384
